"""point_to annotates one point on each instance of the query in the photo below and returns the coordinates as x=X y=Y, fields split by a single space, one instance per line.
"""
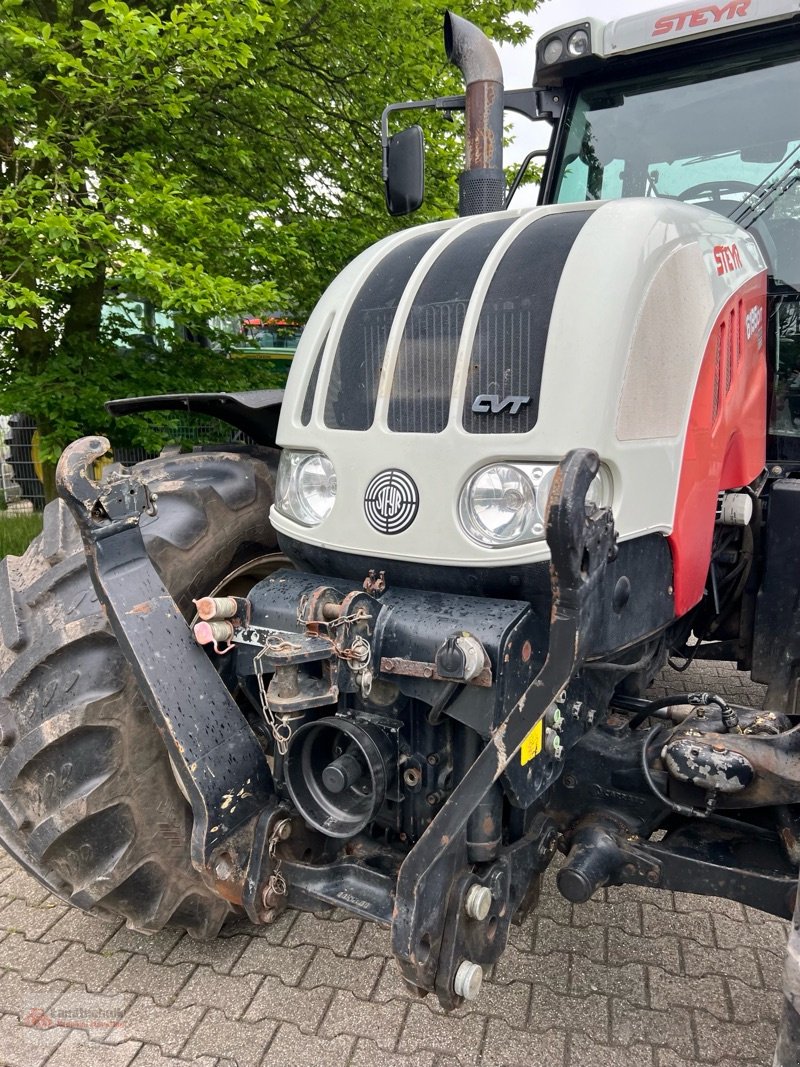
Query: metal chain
x=281 y=731
x=360 y=653
x=358 y=656
x=342 y=620
x=277 y=883
x=276 y=645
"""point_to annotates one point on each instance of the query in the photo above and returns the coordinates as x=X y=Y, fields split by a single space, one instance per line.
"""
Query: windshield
x=706 y=135
x=726 y=137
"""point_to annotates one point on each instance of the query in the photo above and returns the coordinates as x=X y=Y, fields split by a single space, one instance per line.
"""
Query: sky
x=518 y=66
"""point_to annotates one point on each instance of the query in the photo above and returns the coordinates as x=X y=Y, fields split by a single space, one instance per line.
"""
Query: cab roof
x=653 y=29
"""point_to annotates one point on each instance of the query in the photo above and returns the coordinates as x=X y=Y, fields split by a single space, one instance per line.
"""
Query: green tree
x=213 y=156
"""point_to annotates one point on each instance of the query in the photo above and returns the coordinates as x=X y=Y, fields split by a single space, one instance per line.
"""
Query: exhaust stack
x=481 y=186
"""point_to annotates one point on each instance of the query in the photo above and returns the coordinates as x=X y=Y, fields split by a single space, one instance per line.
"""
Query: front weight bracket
x=214 y=753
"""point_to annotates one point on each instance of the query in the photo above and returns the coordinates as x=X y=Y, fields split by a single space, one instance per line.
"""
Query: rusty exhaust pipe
x=481 y=185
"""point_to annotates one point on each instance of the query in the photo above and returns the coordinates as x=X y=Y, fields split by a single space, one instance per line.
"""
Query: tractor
x=391 y=658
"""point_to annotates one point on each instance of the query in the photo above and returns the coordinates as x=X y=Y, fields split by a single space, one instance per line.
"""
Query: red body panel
x=726 y=437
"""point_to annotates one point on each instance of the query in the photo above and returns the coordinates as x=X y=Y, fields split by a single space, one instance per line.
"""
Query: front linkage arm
x=213 y=750
x=580 y=545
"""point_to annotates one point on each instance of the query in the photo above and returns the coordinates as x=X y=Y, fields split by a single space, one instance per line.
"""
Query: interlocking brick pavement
x=634 y=978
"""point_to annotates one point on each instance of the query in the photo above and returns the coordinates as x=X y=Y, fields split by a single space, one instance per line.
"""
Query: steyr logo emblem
x=391 y=501
x=491 y=403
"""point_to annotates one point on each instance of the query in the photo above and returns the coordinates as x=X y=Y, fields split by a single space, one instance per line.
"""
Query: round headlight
x=498 y=505
x=316 y=487
x=579 y=44
x=553 y=50
x=506 y=504
x=306 y=487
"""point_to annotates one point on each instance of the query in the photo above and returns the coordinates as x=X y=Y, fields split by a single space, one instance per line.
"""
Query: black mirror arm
x=438 y=103
x=523 y=101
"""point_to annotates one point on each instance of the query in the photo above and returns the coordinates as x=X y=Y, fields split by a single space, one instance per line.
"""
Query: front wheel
x=88 y=800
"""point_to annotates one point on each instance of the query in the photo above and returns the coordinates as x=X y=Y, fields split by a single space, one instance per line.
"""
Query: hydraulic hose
x=730 y=720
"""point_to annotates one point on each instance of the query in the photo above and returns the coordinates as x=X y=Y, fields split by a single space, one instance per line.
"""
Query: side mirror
x=405 y=171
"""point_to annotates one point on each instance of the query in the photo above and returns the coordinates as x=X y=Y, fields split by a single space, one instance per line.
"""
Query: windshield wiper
x=780 y=179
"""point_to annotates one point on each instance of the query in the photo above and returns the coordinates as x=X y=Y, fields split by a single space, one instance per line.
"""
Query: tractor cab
x=687 y=106
x=681 y=105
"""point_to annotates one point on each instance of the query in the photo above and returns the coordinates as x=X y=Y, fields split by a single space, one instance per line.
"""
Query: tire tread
x=88 y=800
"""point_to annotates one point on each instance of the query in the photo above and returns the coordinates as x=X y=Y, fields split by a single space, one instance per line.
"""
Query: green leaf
x=209 y=157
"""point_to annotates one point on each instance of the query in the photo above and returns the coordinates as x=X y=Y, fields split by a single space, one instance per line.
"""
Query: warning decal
x=532 y=745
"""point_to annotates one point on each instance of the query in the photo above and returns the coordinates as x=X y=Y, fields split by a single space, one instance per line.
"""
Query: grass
x=17 y=532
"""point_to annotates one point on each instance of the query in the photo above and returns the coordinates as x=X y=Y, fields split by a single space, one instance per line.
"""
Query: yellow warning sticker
x=532 y=745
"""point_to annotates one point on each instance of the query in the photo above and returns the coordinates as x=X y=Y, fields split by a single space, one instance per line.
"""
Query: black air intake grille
x=505 y=374
x=423 y=378
x=353 y=388
x=311 y=388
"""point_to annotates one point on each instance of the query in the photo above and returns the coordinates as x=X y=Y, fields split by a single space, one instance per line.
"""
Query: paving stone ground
x=635 y=978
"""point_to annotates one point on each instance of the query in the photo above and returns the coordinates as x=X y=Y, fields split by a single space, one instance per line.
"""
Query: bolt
x=433 y=798
x=652 y=877
x=269 y=915
x=547 y=845
x=478 y=902
x=388 y=665
x=412 y=776
x=427 y=672
x=468 y=980
x=433 y=759
x=777 y=470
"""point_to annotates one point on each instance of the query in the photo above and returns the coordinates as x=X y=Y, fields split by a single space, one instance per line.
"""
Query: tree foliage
x=212 y=156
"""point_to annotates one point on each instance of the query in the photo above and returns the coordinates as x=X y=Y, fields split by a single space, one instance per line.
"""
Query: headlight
x=306 y=487
x=578 y=44
x=497 y=506
x=553 y=50
x=506 y=504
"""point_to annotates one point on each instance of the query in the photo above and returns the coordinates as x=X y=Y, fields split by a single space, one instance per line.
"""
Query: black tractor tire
x=89 y=803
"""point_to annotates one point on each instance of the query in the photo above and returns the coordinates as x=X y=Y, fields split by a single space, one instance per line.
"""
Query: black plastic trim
x=255 y=412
